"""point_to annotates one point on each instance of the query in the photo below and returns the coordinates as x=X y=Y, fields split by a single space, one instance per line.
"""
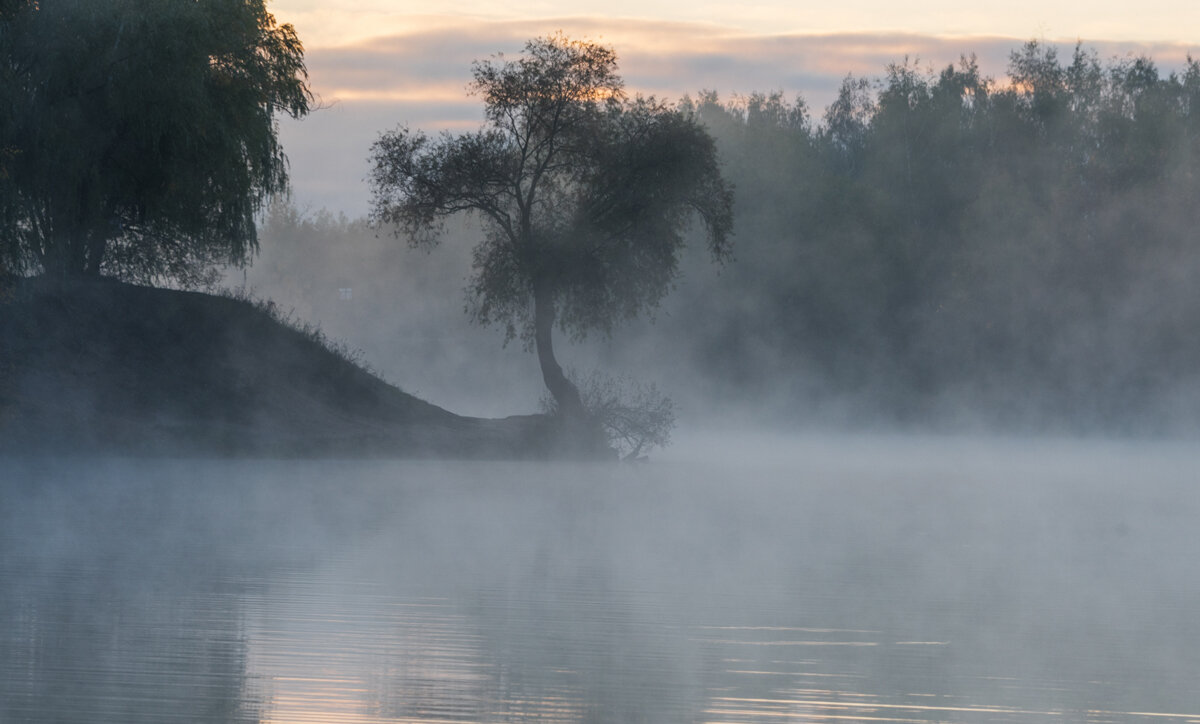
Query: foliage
x=636 y=416
x=585 y=195
x=944 y=241
x=582 y=193
x=138 y=137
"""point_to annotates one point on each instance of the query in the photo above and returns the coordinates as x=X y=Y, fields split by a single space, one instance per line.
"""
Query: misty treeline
x=941 y=244
x=937 y=247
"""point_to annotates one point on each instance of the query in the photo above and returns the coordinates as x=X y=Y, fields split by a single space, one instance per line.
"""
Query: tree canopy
x=585 y=195
x=139 y=138
x=942 y=243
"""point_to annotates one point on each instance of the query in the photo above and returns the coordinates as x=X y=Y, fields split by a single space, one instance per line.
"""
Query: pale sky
x=377 y=64
x=326 y=22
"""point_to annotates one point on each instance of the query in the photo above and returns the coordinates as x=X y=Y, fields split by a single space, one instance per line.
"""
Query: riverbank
x=99 y=366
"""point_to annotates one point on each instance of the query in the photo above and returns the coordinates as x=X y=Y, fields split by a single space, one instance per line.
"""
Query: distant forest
x=937 y=248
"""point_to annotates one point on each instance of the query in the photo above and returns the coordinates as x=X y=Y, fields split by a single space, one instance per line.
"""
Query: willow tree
x=585 y=196
x=139 y=137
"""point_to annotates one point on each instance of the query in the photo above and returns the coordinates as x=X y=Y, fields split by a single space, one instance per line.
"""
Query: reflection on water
x=895 y=581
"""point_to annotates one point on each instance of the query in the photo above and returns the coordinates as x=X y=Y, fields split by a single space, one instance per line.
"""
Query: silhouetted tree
x=585 y=196
x=138 y=137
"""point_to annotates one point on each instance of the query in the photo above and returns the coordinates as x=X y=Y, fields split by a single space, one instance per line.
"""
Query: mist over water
x=739 y=578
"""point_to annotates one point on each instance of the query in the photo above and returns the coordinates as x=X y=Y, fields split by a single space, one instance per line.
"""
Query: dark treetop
x=138 y=137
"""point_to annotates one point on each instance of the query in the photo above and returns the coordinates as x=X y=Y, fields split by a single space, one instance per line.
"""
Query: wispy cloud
x=433 y=58
x=333 y=22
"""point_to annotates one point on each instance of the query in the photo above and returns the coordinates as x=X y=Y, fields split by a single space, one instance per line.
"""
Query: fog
x=747 y=579
x=936 y=249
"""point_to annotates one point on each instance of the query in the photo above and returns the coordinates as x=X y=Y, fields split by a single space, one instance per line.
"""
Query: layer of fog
x=938 y=250
x=404 y=312
x=1042 y=575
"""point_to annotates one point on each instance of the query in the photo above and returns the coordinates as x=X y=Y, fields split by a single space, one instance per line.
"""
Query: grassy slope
x=100 y=366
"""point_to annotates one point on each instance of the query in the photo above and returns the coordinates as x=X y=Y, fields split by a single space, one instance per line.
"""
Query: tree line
x=940 y=240
x=935 y=241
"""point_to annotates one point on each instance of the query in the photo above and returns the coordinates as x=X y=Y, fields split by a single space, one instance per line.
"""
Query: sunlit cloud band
x=419 y=77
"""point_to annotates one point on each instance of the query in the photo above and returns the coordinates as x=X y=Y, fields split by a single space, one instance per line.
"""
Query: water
x=770 y=580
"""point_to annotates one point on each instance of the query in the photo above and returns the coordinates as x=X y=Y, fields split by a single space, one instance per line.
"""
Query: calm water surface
x=764 y=580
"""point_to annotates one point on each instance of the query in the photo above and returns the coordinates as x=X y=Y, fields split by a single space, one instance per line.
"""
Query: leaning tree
x=139 y=137
x=585 y=196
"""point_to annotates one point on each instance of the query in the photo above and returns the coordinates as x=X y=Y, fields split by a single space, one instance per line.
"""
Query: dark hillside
x=102 y=366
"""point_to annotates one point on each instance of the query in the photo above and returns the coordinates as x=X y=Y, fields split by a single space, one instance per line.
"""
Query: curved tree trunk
x=566 y=395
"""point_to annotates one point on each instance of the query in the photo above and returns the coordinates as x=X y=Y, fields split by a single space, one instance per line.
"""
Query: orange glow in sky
x=377 y=64
x=335 y=22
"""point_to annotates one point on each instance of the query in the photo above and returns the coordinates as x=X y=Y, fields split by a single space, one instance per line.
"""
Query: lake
x=731 y=579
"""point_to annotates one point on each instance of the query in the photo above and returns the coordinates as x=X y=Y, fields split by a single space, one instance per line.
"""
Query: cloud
x=419 y=77
x=433 y=59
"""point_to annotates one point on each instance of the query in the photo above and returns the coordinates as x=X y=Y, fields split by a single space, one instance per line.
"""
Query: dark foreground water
x=757 y=580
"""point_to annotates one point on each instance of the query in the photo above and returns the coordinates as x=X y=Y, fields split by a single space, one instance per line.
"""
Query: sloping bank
x=99 y=366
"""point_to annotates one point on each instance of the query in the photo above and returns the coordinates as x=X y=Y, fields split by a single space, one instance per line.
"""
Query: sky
x=379 y=64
